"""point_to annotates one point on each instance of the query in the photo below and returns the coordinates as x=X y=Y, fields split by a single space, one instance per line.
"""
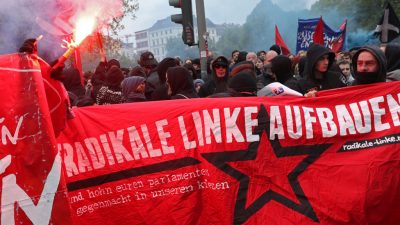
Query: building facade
x=156 y=37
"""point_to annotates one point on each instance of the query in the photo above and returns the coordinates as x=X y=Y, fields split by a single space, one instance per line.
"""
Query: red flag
x=33 y=189
x=337 y=44
x=318 y=36
x=279 y=41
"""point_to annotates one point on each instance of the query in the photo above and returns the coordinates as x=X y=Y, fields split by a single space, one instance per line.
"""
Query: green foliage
x=130 y=7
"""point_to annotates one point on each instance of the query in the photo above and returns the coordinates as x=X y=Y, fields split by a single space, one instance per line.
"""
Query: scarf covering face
x=374 y=77
x=129 y=86
x=179 y=80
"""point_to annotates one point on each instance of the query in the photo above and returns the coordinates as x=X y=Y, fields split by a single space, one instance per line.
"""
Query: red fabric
x=57 y=98
x=78 y=64
x=338 y=44
x=279 y=41
x=33 y=188
x=177 y=162
x=318 y=36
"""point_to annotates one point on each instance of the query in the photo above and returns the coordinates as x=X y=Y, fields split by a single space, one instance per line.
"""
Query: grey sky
x=219 y=11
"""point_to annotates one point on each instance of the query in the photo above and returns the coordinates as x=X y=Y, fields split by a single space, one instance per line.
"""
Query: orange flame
x=84 y=27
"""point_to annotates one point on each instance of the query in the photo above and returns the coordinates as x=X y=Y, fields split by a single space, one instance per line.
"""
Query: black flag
x=388 y=27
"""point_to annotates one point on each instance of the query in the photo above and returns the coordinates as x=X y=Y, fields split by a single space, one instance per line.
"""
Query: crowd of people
x=243 y=74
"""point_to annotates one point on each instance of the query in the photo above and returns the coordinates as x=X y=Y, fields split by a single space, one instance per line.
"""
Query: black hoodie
x=330 y=79
x=216 y=85
x=379 y=56
x=181 y=83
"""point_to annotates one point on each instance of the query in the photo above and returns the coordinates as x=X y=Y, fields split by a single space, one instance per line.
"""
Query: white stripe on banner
x=20 y=70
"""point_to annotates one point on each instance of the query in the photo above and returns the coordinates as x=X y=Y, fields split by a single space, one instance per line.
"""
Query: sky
x=219 y=11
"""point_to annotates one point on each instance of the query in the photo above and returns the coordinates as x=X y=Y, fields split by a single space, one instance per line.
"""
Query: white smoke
x=22 y=19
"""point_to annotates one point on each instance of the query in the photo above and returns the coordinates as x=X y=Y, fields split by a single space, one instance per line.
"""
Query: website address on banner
x=361 y=145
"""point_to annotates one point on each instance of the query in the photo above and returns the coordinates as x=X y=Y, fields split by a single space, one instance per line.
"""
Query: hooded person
x=138 y=72
x=197 y=67
x=219 y=79
x=180 y=83
x=133 y=89
x=392 y=53
x=281 y=66
x=302 y=66
x=243 y=66
x=369 y=65
x=72 y=82
x=113 y=62
x=110 y=93
x=244 y=84
x=192 y=71
x=161 y=89
x=149 y=64
x=317 y=74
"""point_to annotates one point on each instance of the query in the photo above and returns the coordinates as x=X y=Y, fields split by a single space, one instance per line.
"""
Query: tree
x=130 y=7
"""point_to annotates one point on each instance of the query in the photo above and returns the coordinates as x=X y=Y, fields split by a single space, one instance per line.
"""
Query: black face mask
x=366 y=77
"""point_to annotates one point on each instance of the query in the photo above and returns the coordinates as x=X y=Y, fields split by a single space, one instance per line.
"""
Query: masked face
x=220 y=70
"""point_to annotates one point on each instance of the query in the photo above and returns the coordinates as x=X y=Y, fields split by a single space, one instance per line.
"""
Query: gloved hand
x=56 y=71
x=29 y=46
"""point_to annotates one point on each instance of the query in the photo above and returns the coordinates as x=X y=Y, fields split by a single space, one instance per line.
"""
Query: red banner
x=33 y=190
x=333 y=159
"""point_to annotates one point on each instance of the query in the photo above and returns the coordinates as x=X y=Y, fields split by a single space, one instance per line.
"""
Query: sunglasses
x=219 y=66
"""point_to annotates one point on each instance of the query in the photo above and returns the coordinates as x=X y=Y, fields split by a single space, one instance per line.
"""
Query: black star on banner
x=245 y=209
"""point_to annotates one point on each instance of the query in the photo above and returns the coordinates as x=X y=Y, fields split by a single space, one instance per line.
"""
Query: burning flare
x=84 y=27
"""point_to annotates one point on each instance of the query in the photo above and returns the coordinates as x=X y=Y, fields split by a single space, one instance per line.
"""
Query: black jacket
x=329 y=80
x=180 y=83
x=215 y=85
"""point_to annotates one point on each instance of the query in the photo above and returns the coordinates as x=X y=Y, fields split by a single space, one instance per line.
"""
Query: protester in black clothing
x=302 y=66
x=133 y=89
x=266 y=77
x=243 y=84
x=369 y=65
x=392 y=53
x=180 y=83
x=243 y=66
x=137 y=71
x=197 y=67
x=149 y=64
x=161 y=89
x=281 y=66
x=219 y=80
x=99 y=76
x=110 y=93
x=192 y=71
x=318 y=75
x=73 y=84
